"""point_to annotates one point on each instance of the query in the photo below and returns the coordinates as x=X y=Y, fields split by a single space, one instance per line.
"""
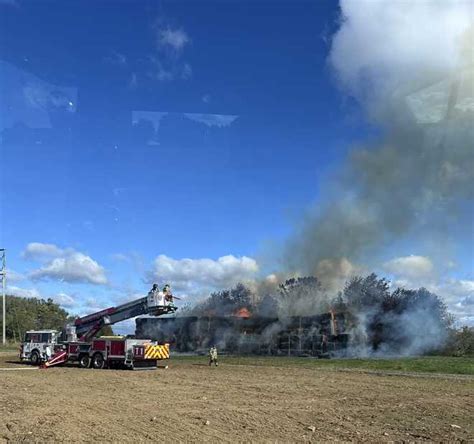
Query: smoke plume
x=410 y=67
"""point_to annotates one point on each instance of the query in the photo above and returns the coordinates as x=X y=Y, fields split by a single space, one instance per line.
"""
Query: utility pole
x=3 y=274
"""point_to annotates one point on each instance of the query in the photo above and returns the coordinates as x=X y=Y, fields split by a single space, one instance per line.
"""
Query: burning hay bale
x=365 y=319
x=244 y=335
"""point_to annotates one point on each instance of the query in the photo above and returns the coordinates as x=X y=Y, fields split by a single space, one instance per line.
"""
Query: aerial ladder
x=80 y=345
x=87 y=327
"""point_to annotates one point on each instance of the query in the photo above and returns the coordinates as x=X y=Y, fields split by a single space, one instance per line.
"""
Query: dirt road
x=192 y=402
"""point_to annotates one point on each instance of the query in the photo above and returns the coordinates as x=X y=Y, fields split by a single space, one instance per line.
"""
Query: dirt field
x=191 y=402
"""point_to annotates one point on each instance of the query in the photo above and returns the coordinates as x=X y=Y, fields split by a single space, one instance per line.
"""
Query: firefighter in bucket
x=161 y=297
x=167 y=295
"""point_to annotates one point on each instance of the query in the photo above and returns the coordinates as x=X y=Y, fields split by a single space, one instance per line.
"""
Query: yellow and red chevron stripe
x=157 y=351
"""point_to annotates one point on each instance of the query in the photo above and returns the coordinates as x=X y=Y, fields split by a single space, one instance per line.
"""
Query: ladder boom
x=87 y=326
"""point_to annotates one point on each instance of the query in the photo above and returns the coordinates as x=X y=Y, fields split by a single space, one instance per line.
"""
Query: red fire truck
x=112 y=352
x=77 y=343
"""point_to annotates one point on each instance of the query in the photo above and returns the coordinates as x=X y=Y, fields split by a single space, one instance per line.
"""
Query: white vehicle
x=38 y=345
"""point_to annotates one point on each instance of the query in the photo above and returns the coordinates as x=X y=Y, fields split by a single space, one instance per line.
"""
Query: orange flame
x=243 y=313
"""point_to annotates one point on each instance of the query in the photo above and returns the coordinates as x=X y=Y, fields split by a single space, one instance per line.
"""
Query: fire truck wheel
x=98 y=361
x=84 y=361
x=35 y=358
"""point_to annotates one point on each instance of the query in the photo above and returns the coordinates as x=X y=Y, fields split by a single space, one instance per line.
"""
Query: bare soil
x=191 y=402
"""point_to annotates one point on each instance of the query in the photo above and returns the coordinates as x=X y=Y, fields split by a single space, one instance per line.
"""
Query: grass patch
x=12 y=347
x=426 y=364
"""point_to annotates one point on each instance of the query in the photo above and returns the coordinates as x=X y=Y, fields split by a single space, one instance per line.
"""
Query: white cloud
x=459 y=296
x=218 y=120
x=120 y=257
x=384 y=44
x=175 y=39
x=165 y=64
x=38 y=251
x=65 y=265
x=23 y=292
x=411 y=267
x=462 y=287
x=418 y=271
x=75 y=267
x=14 y=276
x=191 y=274
x=64 y=300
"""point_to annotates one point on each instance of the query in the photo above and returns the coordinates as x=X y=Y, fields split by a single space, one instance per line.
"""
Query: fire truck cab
x=38 y=345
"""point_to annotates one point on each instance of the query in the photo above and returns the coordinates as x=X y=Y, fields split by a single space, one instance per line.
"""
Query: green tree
x=302 y=296
x=24 y=314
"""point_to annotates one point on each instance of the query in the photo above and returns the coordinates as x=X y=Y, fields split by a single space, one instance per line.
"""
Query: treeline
x=460 y=342
x=402 y=321
x=23 y=314
x=380 y=320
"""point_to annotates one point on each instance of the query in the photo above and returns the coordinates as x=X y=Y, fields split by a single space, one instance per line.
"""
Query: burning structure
x=242 y=333
x=299 y=317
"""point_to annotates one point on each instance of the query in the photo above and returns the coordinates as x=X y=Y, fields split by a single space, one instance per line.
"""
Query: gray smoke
x=410 y=66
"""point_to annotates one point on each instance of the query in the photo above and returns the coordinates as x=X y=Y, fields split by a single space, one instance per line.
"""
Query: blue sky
x=241 y=123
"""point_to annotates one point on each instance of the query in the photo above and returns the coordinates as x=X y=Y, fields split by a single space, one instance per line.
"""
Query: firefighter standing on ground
x=48 y=352
x=213 y=355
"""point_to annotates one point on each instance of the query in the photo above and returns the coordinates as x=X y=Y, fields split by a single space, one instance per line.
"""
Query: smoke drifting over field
x=410 y=67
